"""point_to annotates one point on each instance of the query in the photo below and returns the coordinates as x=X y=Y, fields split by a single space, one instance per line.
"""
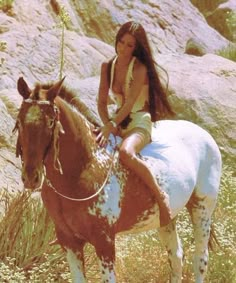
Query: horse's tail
x=213 y=241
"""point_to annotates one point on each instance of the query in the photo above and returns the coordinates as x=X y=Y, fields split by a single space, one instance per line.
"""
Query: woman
x=135 y=88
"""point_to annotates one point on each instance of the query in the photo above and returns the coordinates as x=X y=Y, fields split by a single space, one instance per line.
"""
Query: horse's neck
x=76 y=145
x=84 y=164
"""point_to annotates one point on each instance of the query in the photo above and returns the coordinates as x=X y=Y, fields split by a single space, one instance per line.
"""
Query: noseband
x=55 y=127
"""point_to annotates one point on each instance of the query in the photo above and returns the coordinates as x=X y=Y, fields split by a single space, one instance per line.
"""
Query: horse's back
x=179 y=139
x=184 y=157
x=177 y=132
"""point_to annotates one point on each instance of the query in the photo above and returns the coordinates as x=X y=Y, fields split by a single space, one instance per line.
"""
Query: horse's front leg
x=76 y=264
x=74 y=247
x=105 y=250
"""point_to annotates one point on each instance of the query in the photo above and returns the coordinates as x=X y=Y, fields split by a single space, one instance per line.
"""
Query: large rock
x=33 y=35
x=35 y=54
x=9 y=165
x=170 y=24
x=203 y=88
x=204 y=91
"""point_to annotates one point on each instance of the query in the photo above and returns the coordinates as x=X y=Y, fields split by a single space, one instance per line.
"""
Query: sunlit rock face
x=203 y=88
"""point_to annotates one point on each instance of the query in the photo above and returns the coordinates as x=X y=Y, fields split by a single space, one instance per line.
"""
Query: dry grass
x=26 y=230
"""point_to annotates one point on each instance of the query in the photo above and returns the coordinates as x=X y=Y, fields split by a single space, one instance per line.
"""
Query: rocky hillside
x=203 y=88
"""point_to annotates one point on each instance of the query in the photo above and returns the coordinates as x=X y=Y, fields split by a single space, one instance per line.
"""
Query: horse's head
x=36 y=124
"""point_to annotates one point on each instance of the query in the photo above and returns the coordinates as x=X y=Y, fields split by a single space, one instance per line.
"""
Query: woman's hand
x=103 y=134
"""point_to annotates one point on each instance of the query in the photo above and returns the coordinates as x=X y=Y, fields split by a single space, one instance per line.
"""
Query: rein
x=56 y=130
x=95 y=194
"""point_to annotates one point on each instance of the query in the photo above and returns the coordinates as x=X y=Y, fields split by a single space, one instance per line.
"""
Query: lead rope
x=58 y=129
x=101 y=188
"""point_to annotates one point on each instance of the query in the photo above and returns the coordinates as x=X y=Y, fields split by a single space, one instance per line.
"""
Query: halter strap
x=113 y=71
x=129 y=75
x=42 y=102
x=49 y=184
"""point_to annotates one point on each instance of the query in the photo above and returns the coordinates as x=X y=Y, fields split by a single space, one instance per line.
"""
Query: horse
x=91 y=196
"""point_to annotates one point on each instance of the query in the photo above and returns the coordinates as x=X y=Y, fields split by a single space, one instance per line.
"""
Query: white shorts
x=138 y=120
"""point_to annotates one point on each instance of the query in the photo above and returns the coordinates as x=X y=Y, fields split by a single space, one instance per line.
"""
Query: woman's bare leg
x=131 y=145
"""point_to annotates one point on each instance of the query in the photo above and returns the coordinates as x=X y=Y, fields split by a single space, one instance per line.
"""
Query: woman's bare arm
x=139 y=78
x=103 y=95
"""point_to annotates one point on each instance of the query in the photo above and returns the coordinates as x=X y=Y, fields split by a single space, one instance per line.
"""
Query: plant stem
x=62 y=50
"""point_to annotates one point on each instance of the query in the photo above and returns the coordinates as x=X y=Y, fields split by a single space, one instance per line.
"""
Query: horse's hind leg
x=201 y=207
x=201 y=211
x=169 y=238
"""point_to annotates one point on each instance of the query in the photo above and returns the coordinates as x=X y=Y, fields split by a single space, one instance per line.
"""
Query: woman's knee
x=126 y=154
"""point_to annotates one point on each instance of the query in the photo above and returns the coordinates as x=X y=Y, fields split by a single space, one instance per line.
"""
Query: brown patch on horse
x=138 y=200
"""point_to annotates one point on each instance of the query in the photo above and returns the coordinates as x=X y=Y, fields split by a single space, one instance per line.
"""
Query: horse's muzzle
x=32 y=178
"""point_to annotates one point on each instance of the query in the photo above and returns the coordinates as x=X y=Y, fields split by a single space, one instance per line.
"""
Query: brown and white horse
x=59 y=154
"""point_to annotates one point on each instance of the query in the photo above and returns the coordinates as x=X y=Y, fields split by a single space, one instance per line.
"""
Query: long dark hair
x=159 y=105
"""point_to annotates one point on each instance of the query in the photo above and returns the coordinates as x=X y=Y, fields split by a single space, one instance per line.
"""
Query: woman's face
x=126 y=45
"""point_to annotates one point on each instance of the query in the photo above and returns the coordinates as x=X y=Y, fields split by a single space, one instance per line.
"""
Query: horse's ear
x=23 y=88
x=54 y=90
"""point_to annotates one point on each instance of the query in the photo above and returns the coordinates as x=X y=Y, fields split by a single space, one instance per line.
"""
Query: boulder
x=170 y=24
x=9 y=164
x=203 y=90
x=36 y=55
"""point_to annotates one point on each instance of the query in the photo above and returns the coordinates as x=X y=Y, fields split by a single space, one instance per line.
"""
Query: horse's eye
x=50 y=123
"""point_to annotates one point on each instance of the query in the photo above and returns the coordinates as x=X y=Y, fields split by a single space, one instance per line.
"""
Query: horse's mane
x=73 y=99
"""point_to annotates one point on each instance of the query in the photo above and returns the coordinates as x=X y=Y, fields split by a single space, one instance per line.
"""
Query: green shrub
x=228 y=52
x=6 y=5
x=231 y=23
x=207 y=7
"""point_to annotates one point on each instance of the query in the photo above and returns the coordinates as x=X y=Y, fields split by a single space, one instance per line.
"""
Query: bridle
x=56 y=128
